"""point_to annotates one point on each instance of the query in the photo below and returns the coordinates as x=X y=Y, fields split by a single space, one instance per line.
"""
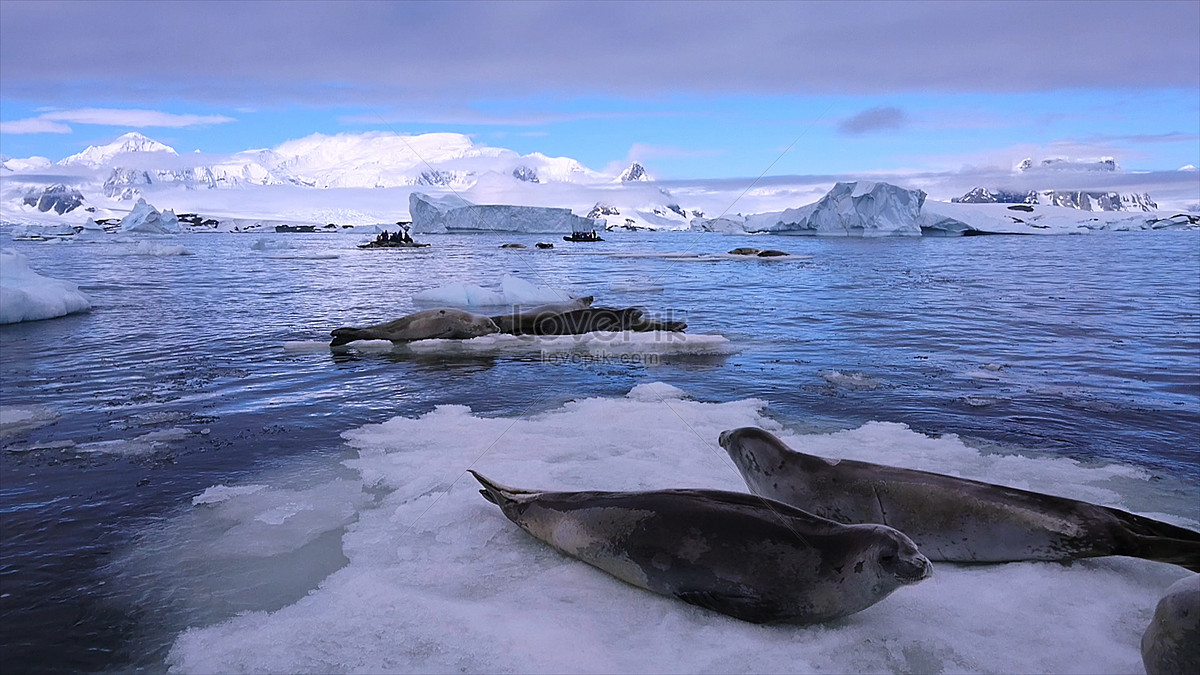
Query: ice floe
x=26 y=295
x=435 y=579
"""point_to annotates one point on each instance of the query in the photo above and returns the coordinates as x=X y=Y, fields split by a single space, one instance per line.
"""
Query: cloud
x=333 y=52
x=52 y=121
x=33 y=125
x=875 y=119
x=116 y=117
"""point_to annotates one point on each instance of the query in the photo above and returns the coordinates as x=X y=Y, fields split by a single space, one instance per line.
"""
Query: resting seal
x=521 y=322
x=732 y=553
x=546 y=320
x=953 y=519
x=1171 y=643
x=453 y=324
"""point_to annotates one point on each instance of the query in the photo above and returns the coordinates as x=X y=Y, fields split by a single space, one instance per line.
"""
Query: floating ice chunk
x=849 y=380
x=220 y=493
x=650 y=392
x=91 y=233
x=146 y=219
x=28 y=296
x=19 y=419
x=154 y=441
x=265 y=244
x=263 y=521
x=513 y=291
x=159 y=249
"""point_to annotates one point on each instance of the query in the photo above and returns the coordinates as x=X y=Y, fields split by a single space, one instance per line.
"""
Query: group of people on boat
x=584 y=236
x=400 y=236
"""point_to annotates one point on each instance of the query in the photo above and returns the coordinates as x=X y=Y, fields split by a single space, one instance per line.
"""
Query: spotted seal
x=953 y=519
x=451 y=324
x=733 y=553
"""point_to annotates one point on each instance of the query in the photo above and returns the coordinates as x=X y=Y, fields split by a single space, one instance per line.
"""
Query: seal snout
x=913 y=569
x=723 y=439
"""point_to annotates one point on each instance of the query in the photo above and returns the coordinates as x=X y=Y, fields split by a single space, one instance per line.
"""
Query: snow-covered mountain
x=1068 y=164
x=635 y=172
x=102 y=155
x=1074 y=199
x=133 y=163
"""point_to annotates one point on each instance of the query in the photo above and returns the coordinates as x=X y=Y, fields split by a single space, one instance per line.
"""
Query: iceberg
x=146 y=219
x=872 y=209
x=453 y=214
x=863 y=208
x=26 y=295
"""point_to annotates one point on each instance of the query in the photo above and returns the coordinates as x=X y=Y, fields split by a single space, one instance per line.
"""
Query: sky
x=690 y=89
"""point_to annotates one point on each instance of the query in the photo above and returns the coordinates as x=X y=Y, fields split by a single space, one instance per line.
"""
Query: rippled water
x=1085 y=346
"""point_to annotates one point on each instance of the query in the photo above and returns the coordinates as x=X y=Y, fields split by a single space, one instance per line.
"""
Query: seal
x=1171 y=643
x=733 y=553
x=521 y=322
x=450 y=324
x=583 y=320
x=953 y=519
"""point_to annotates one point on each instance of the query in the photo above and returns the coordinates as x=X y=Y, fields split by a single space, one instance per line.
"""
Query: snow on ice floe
x=26 y=295
x=598 y=344
x=434 y=578
x=513 y=291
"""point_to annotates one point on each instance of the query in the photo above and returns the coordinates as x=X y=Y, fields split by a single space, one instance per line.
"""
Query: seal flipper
x=1182 y=552
x=745 y=607
x=342 y=336
x=1155 y=540
x=500 y=495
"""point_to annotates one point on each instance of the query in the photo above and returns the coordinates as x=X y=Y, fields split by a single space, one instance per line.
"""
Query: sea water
x=190 y=479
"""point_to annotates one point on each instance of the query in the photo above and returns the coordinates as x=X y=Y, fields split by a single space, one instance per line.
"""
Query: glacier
x=453 y=214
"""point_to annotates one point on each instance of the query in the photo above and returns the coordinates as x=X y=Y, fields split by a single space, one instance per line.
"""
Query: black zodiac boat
x=400 y=239
x=583 y=236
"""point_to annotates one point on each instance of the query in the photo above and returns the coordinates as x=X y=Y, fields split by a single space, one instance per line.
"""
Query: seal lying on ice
x=453 y=324
x=733 y=553
x=583 y=320
x=1171 y=643
x=516 y=323
x=953 y=519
